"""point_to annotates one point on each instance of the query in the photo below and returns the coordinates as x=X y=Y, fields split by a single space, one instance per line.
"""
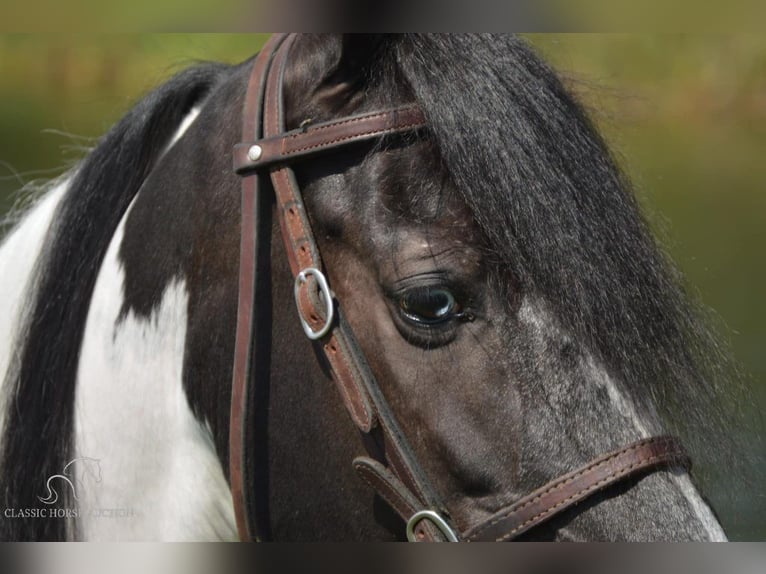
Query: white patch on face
x=158 y=462
x=644 y=428
x=19 y=254
x=700 y=508
x=619 y=401
x=626 y=408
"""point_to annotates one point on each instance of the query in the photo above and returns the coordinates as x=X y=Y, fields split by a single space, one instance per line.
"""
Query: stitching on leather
x=354 y=406
x=271 y=95
x=356 y=377
x=347 y=395
x=304 y=230
x=337 y=359
x=617 y=473
x=558 y=485
x=354 y=136
x=341 y=357
x=596 y=486
x=346 y=121
x=282 y=140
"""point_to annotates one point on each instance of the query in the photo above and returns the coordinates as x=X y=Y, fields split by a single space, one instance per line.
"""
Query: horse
x=486 y=261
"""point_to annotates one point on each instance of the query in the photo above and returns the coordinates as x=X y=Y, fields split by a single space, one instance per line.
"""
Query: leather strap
x=387 y=485
x=566 y=491
x=548 y=500
x=312 y=140
x=356 y=384
x=392 y=470
x=244 y=361
x=303 y=252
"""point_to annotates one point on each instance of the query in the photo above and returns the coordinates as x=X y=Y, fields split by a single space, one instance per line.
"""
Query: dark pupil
x=428 y=305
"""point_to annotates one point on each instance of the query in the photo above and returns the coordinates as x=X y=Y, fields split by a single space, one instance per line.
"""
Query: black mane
x=557 y=212
x=41 y=382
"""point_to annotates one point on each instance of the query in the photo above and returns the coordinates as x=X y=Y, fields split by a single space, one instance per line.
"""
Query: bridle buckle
x=324 y=288
x=434 y=518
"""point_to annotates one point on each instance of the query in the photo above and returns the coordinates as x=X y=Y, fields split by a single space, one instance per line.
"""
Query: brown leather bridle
x=392 y=468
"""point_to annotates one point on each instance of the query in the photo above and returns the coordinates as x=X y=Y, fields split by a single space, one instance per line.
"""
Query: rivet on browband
x=254 y=153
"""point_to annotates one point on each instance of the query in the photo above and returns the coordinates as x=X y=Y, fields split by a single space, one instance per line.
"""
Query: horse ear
x=346 y=80
x=357 y=53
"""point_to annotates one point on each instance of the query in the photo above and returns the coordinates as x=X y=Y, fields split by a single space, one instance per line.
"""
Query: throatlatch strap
x=244 y=359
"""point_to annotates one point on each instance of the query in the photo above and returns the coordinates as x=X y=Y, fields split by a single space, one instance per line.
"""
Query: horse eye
x=429 y=306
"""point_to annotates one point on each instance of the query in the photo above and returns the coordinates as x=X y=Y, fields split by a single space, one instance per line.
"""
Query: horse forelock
x=557 y=216
x=562 y=220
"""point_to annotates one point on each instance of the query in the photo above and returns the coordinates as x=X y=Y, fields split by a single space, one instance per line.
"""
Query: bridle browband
x=391 y=469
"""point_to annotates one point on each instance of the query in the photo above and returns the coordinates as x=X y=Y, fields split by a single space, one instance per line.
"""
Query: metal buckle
x=435 y=519
x=300 y=279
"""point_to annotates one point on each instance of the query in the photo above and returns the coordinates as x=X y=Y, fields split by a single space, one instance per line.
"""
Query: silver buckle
x=300 y=279
x=434 y=518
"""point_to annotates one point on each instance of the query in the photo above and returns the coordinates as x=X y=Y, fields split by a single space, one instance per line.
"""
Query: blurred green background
x=685 y=114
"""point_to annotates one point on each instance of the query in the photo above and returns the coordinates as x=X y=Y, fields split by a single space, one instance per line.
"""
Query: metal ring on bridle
x=434 y=518
x=321 y=280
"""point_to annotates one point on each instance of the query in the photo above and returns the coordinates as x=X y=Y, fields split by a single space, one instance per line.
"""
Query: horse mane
x=557 y=211
x=41 y=381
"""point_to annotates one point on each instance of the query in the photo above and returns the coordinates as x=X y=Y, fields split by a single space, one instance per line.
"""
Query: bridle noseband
x=391 y=469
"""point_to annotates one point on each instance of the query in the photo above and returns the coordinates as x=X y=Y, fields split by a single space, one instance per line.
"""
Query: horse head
x=490 y=268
